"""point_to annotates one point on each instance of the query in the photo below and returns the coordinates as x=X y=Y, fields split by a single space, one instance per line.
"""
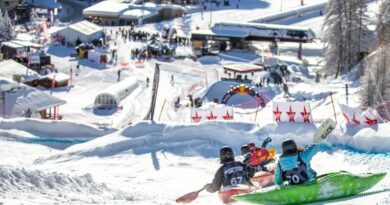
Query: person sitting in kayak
x=231 y=173
x=256 y=157
x=294 y=163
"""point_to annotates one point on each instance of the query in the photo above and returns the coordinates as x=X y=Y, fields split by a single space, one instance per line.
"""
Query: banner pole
x=162 y=108
x=257 y=110
x=334 y=111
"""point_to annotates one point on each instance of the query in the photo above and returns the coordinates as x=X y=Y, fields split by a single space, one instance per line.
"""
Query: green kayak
x=330 y=186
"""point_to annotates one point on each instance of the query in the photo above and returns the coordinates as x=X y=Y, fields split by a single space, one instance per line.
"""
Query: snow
x=114 y=157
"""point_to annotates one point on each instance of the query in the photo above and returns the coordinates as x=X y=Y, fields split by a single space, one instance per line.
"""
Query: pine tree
x=6 y=27
x=346 y=35
x=333 y=29
x=376 y=80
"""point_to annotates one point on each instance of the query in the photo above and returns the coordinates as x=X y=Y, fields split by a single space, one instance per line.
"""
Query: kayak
x=226 y=195
x=327 y=187
x=263 y=179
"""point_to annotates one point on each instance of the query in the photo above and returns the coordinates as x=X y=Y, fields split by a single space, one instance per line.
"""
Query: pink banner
x=357 y=117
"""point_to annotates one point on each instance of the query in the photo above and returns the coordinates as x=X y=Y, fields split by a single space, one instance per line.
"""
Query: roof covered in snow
x=19 y=98
x=106 y=8
x=21 y=44
x=243 y=67
x=9 y=68
x=137 y=13
x=86 y=27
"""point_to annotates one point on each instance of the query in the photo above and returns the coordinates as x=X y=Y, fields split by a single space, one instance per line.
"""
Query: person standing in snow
x=172 y=80
x=231 y=173
x=294 y=163
x=119 y=75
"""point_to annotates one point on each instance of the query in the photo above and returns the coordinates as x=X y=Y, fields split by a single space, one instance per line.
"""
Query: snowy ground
x=94 y=157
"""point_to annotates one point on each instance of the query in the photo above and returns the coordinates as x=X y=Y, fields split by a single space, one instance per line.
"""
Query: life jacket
x=234 y=173
x=297 y=175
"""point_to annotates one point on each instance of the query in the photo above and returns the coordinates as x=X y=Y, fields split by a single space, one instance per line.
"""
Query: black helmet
x=289 y=147
x=245 y=149
x=226 y=155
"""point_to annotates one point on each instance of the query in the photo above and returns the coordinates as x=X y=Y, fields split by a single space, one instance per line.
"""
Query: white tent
x=111 y=96
x=17 y=99
x=84 y=30
x=10 y=68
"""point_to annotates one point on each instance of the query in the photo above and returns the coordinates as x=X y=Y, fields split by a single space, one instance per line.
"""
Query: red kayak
x=263 y=179
x=226 y=195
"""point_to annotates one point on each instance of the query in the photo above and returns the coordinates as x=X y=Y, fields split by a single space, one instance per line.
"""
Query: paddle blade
x=188 y=197
x=324 y=130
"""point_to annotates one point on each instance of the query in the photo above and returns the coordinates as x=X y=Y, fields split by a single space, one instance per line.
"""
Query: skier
x=231 y=173
x=147 y=81
x=294 y=163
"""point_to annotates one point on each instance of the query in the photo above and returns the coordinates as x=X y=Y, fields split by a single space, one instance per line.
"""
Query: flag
x=29 y=59
x=262 y=55
x=52 y=16
x=53 y=82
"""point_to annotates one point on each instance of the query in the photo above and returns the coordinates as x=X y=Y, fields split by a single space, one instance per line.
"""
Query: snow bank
x=23 y=184
x=367 y=138
x=205 y=139
x=53 y=129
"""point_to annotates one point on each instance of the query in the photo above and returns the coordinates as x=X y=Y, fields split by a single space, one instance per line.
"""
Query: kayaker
x=294 y=163
x=231 y=173
x=256 y=155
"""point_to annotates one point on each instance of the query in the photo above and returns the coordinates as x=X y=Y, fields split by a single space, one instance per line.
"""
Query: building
x=8 y=5
x=112 y=13
x=240 y=35
x=12 y=70
x=18 y=100
x=13 y=48
x=85 y=31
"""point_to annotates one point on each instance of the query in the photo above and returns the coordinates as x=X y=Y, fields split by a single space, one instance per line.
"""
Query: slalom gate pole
x=257 y=110
x=162 y=108
x=334 y=111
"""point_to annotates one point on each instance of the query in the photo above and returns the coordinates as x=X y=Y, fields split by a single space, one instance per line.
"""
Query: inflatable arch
x=243 y=90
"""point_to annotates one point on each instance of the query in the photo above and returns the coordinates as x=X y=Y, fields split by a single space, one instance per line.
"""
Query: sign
x=292 y=112
x=217 y=113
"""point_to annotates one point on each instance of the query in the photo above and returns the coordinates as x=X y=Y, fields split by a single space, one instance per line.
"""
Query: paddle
x=187 y=198
x=324 y=130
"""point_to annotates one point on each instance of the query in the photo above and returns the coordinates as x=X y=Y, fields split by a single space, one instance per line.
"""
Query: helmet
x=245 y=149
x=252 y=146
x=226 y=155
x=289 y=147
